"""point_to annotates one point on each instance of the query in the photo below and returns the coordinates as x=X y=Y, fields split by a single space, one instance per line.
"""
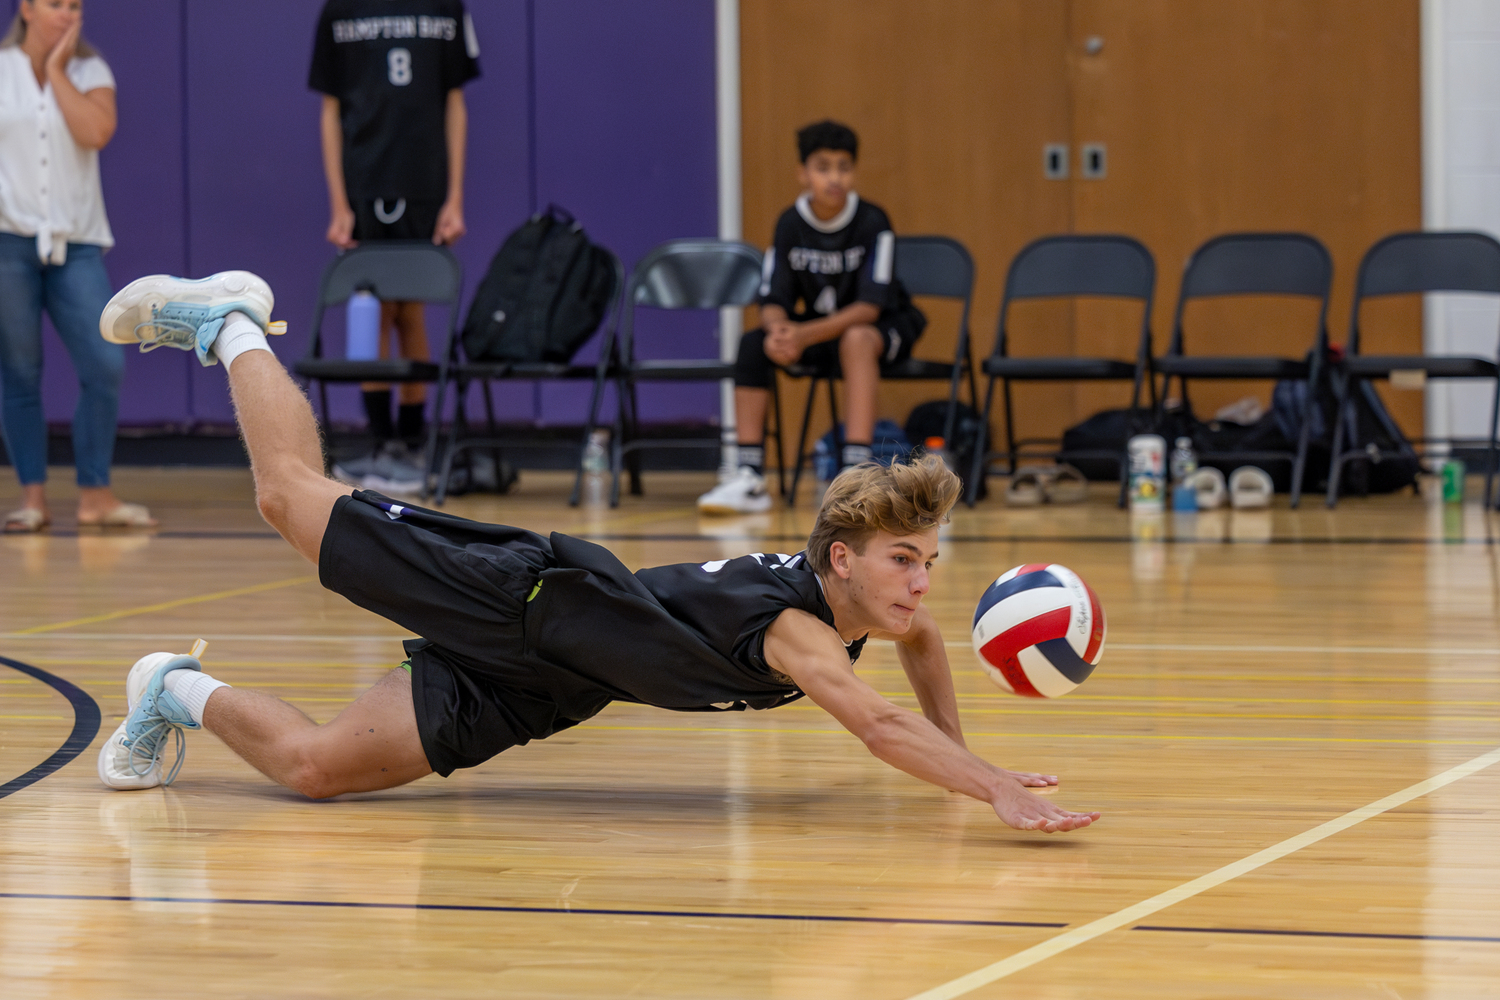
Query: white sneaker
x=132 y=757
x=160 y=310
x=119 y=769
x=744 y=492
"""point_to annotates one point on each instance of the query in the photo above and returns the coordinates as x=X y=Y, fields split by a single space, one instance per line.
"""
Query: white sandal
x=26 y=521
x=126 y=515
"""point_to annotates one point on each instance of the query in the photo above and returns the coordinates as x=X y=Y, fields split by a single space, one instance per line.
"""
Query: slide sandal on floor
x=1026 y=489
x=1250 y=488
x=1066 y=485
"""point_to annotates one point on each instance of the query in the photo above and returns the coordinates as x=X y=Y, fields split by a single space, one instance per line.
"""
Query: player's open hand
x=1018 y=808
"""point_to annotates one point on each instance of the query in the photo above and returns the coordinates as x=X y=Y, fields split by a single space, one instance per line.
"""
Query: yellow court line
x=1023 y=734
x=1096 y=928
x=167 y=605
x=54 y=718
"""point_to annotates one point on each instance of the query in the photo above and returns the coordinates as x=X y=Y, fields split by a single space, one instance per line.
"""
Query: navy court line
x=86 y=718
x=576 y=910
x=1321 y=934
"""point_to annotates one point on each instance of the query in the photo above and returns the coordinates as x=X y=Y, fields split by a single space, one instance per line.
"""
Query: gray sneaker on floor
x=354 y=470
x=393 y=470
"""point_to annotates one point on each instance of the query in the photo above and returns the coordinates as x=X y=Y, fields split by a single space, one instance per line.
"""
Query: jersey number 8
x=398 y=66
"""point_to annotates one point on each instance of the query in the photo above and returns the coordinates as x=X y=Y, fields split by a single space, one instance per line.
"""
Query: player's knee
x=861 y=340
x=277 y=488
x=308 y=777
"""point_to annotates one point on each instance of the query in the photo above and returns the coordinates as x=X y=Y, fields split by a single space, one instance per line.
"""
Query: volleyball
x=1039 y=631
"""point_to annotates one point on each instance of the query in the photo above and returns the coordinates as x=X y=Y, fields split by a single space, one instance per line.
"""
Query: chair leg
x=635 y=453
x=1489 y=460
x=1303 y=439
x=838 y=434
x=1336 y=449
x=1012 y=452
x=812 y=391
x=971 y=495
x=460 y=394
x=775 y=404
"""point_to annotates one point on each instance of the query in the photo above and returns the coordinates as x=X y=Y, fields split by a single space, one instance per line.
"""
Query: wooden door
x=1216 y=116
x=1224 y=116
x=952 y=100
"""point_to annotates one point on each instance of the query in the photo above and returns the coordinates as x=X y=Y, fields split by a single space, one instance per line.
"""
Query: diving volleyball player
x=523 y=636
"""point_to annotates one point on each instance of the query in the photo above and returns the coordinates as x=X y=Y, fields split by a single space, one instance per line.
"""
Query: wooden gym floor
x=1278 y=693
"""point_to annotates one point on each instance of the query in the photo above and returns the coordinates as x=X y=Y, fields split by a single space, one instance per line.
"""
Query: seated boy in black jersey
x=829 y=299
x=524 y=636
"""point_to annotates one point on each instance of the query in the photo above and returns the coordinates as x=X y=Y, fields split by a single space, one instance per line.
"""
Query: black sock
x=378 y=413
x=410 y=421
x=753 y=457
x=856 y=453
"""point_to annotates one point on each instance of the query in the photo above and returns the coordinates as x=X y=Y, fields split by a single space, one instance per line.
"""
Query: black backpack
x=545 y=293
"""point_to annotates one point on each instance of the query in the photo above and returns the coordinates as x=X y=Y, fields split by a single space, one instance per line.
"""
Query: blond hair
x=17 y=34
x=900 y=499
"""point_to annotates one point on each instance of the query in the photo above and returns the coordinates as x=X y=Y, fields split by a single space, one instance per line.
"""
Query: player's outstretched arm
x=813 y=656
x=924 y=658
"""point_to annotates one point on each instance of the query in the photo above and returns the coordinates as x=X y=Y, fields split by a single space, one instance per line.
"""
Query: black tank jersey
x=391 y=64
x=817 y=268
x=688 y=637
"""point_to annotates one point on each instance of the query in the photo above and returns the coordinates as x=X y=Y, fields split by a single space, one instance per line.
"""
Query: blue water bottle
x=362 y=325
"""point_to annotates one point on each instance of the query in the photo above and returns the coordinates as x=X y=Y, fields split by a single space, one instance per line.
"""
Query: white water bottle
x=1148 y=461
x=362 y=326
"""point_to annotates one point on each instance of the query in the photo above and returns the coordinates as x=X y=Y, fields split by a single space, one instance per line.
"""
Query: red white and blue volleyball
x=1039 y=631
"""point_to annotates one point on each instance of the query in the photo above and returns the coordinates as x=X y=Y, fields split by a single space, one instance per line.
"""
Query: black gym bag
x=545 y=293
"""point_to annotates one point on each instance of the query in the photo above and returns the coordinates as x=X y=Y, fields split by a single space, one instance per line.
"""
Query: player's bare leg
x=859 y=357
x=286 y=456
x=371 y=744
x=225 y=318
x=410 y=321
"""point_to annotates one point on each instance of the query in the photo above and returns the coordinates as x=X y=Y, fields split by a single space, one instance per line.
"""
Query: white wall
x=1461 y=187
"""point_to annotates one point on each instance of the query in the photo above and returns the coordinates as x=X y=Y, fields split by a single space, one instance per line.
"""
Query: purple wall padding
x=216 y=165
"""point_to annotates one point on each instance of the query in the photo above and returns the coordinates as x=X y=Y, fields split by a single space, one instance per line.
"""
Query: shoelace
x=168 y=326
x=148 y=747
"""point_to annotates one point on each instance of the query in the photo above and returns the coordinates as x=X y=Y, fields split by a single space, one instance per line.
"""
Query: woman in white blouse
x=57 y=110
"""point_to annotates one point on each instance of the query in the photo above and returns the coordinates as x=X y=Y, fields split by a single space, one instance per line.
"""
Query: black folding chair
x=679 y=274
x=1067 y=267
x=1407 y=264
x=929 y=267
x=1253 y=264
x=462 y=373
x=396 y=271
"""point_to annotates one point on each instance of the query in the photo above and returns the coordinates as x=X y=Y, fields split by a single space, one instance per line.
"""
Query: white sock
x=191 y=688
x=238 y=335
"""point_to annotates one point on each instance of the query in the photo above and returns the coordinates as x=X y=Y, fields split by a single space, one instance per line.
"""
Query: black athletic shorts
x=395 y=219
x=477 y=693
x=900 y=328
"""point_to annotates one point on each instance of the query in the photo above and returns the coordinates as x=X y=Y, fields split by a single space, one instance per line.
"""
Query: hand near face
x=65 y=49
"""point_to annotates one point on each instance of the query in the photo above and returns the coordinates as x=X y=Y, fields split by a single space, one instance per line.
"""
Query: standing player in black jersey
x=828 y=298
x=524 y=636
x=394 y=130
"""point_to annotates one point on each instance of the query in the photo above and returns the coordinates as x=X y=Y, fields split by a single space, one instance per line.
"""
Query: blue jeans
x=74 y=294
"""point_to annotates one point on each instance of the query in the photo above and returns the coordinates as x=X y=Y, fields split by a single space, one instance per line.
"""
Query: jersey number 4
x=398 y=66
